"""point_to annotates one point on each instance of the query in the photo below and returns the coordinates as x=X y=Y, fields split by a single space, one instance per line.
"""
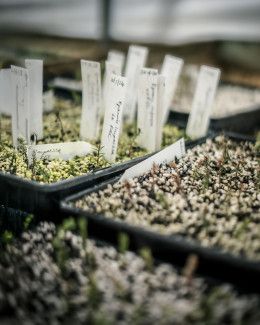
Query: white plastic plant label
x=117 y=58
x=20 y=104
x=160 y=110
x=147 y=108
x=199 y=117
x=136 y=59
x=113 y=116
x=176 y=150
x=35 y=69
x=5 y=92
x=91 y=100
x=110 y=69
x=66 y=83
x=63 y=150
x=171 y=69
x=48 y=100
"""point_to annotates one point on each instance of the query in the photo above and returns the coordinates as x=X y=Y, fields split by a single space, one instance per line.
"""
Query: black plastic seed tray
x=175 y=249
x=34 y=197
x=41 y=199
x=244 y=122
x=11 y=220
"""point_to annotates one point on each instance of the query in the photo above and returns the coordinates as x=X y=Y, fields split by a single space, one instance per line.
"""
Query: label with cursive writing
x=199 y=117
x=91 y=100
x=147 y=108
x=168 y=154
x=171 y=69
x=35 y=70
x=63 y=150
x=20 y=104
x=136 y=59
x=113 y=116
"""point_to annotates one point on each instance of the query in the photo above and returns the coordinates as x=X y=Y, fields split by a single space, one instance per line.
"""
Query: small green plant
x=83 y=230
x=13 y=166
x=7 y=237
x=21 y=147
x=98 y=153
x=27 y=222
x=206 y=175
x=93 y=293
x=226 y=156
x=59 y=121
x=147 y=256
x=123 y=242
x=68 y=224
x=161 y=198
x=60 y=248
x=190 y=267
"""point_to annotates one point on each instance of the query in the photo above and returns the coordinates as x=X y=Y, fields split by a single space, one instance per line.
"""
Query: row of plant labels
x=138 y=95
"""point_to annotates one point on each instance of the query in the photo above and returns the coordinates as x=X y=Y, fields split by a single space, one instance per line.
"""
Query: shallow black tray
x=34 y=197
x=41 y=199
x=246 y=122
x=175 y=249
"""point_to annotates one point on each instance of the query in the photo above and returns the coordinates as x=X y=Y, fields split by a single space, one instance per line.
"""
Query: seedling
x=146 y=254
x=83 y=230
x=123 y=242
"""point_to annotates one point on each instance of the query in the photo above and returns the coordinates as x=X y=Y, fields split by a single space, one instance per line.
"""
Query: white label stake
x=20 y=104
x=48 y=100
x=176 y=150
x=91 y=99
x=147 y=108
x=113 y=116
x=171 y=69
x=117 y=58
x=136 y=59
x=207 y=84
x=63 y=150
x=110 y=69
x=160 y=110
x=5 y=92
x=35 y=69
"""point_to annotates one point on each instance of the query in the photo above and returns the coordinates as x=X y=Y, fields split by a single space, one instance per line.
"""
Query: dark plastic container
x=244 y=122
x=247 y=122
x=41 y=199
x=174 y=249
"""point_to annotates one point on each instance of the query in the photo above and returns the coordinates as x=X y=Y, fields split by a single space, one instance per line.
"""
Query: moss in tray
x=62 y=125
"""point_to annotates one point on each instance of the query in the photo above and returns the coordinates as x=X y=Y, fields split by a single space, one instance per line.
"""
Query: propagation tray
x=174 y=249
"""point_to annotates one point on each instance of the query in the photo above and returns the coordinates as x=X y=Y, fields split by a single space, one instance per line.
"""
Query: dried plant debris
x=60 y=276
x=62 y=125
x=211 y=195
